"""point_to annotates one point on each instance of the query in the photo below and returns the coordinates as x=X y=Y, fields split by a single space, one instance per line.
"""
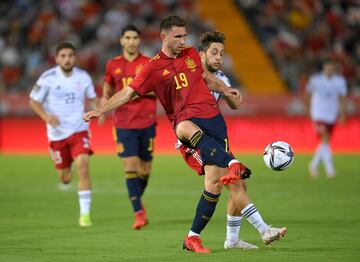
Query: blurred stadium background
x=272 y=48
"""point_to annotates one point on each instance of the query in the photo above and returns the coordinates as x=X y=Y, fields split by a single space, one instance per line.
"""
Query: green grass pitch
x=39 y=223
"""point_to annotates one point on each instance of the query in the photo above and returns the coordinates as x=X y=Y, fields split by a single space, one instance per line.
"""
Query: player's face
x=174 y=39
x=329 y=68
x=130 y=42
x=213 y=57
x=66 y=59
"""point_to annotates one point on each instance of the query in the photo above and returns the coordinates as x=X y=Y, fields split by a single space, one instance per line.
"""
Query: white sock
x=233 y=225
x=191 y=233
x=84 y=201
x=327 y=158
x=253 y=216
x=232 y=162
x=317 y=157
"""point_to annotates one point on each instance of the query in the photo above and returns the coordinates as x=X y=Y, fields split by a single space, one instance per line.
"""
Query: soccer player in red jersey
x=134 y=122
x=211 y=50
x=177 y=78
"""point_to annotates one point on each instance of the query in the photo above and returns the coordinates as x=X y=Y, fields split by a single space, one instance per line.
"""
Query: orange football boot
x=193 y=244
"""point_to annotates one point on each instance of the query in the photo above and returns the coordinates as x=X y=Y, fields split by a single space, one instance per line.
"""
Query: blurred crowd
x=300 y=34
x=30 y=29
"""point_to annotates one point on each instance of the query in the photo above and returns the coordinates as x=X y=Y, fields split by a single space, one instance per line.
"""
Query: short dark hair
x=63 y=45
x=210 y=37
x=171 y=20
x=129 y=28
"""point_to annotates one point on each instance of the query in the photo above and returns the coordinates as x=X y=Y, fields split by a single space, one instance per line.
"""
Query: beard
x=67 y=68
x=210 y=68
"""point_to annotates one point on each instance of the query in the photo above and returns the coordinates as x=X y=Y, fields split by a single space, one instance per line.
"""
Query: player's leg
x=321 y=149
x=146 y=144
x=233 y=224
x=62 y=159
x=326 y=151
x=128 y=145
x=210 y=137
x=80 y=152
x=205 y=209
x=240 y=201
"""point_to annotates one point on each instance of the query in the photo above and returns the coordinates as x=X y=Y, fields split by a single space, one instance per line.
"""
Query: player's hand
x=232 y=92
x=92 y=114
x=101 y=120
x=52 y=120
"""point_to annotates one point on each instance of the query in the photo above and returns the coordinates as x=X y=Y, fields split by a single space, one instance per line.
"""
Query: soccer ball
x=278 y=155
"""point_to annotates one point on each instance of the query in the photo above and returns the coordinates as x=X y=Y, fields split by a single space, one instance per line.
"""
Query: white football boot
x=241 y=244
x=272 y=233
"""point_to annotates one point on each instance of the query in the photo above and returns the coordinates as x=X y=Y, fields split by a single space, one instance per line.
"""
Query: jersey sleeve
x=342 y=87
x=310 y=85
x=90 y=89
x=142 y=83
x=39 y=90
x=108 y=78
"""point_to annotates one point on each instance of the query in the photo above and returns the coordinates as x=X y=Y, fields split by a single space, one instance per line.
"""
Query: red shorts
x=322 y=127
x=193 y=159
x=64 y=152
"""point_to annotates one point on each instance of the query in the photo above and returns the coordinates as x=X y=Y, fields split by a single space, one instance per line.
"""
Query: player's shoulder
x=115 y=60
x=154 y=58
x=144 y=57
x=339 y=78
x=188 y=49
x=48 y=74
x=81 y=73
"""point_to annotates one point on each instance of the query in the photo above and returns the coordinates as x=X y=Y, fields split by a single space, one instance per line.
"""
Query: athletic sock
x=317 y=157
x=211 y=151
x=253 y=216
x=133 y=187
x=233 y=224
x=204 y=211
x=327 y=158
x=143 y=181
x=84 y=202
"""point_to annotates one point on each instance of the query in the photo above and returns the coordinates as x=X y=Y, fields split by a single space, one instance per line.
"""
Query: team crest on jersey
x=165 y=72
x=190 y=64
x=117 y=71
x=36 y=87
x=138 y=69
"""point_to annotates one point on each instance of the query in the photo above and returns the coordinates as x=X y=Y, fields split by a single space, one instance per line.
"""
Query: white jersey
x=325 y=93
x=64 y=97
x=219 y=74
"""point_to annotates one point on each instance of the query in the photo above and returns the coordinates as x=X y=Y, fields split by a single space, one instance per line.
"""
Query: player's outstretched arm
x=233 y=101
x=118 y=99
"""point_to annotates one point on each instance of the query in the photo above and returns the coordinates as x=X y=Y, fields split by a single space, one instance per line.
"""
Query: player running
x=134 y=122
x=326 y=100
x=58 y=97
x=176 y=76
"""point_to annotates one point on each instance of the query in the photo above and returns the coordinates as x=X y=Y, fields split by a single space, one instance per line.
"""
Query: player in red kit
x=177 y=78
x=134 y=122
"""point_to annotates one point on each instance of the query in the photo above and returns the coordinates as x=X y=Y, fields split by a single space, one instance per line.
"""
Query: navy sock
x=143 y=181
x=210 y=150
x=133 y=186
x=204 y=211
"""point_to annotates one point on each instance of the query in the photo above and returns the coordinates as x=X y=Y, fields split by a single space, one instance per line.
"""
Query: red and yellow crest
x=190 y=64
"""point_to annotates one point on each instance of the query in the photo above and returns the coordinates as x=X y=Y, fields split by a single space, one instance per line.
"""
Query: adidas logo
x=165 y=72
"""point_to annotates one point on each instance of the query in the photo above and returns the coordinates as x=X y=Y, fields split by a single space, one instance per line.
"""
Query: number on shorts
x=151 y=144
x=56 y=156
x=86 y=142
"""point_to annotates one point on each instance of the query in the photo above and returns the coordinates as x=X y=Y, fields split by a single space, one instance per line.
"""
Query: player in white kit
x=58 y=97
x=211 y=53
x=326 y=100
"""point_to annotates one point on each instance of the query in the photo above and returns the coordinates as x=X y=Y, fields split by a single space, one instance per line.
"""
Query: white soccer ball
x=278 y=155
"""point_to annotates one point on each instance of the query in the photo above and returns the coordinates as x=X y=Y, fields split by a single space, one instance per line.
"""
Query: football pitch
x=38 y=222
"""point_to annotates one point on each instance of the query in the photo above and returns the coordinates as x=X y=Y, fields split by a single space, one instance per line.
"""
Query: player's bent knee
x=186 y=129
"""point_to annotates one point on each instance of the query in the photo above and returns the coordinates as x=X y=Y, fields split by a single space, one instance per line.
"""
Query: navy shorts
x=136 y=142
x=214 y=127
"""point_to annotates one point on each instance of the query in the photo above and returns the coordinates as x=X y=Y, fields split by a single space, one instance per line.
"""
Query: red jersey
x=139 y=113
x=179 y=85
